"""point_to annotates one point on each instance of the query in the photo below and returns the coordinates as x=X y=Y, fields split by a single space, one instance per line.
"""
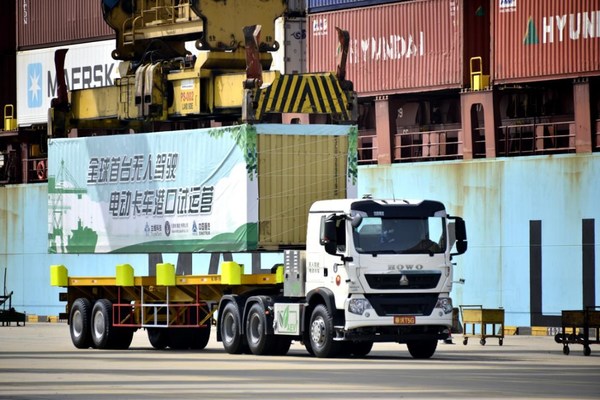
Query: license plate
x=404 y=319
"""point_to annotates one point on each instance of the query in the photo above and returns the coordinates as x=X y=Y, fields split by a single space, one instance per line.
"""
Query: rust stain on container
x=550 y=39
x=43 y=23
x=404 y=47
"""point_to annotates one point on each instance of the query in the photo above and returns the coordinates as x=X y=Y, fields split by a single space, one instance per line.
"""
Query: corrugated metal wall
x=42 y=23
x=498 y=199
x=548 y=39
x=402 y=47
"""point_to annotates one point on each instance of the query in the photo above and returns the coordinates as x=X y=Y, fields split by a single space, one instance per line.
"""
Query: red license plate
x=404 y=319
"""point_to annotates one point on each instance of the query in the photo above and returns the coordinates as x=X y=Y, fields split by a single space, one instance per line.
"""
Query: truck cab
x=386 y=268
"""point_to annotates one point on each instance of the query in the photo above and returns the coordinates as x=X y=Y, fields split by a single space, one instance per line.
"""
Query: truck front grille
x=425 y=280
x=403 y=304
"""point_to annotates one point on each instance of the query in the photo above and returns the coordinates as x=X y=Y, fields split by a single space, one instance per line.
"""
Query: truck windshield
x=377 y=235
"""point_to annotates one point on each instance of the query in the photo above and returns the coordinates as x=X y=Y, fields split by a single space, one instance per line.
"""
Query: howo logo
x=405 y=267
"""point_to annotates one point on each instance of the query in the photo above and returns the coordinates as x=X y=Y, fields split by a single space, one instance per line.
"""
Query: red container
x=404 y=47
x=539 y=40
x=43 y=23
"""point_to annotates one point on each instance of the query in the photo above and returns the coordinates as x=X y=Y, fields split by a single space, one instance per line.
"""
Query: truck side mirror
x=328 y=237
x=460 y=232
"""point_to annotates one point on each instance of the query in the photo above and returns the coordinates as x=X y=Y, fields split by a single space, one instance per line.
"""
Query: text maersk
x=83 y=77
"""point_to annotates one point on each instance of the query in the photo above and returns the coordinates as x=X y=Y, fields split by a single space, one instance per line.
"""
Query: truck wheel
x=360 y=349
x=256 y=332
x=158 y=337
x=321 y=333
x=422 y=349
x=230 y=322
x=282 y=345
x=80 y=323
x=102 y=324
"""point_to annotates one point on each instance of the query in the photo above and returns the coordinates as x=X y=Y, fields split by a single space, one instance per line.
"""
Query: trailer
x=476 y=315
x=576 y=327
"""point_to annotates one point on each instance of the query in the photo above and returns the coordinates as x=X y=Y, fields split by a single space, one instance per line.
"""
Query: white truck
x=373 y=271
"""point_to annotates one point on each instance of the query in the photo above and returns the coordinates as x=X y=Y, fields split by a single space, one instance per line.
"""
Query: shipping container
x=86 y=65
x=8 y=45
x=405 y=47
x=290 y=58
x=317 y=6
x=229 y=189
x=43 y=23
x=541 y=40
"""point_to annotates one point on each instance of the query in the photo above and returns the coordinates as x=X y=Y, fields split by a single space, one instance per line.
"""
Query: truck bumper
x=397 y=328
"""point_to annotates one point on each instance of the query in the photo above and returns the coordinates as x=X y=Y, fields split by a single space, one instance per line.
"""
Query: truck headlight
x=445 y=303
x=359 y=306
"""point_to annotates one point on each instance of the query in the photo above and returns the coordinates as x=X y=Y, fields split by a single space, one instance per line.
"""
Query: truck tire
x=359 y=349
x=102 y=324
x=282 y=345
x=104 y=334
x=180 y=338
x=80 y=320
x=230 y=323
x=322 y=333
x=158 y=337
x=422 y=349
x=259 y=342
x=188 y=338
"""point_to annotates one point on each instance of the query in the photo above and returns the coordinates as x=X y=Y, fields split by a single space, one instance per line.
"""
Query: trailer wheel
x=79 y=326
x=102 y=323
x=422 y=349
x=158 y=338
x=180 y=338
x=201 y=338
x=230 y=323
x=123 y=339
x=321 y=333
x=256 y=332
x=587 y=350
x=104 y=334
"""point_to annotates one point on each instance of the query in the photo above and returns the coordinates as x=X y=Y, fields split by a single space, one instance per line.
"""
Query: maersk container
x=86 y=65
x=540 y=40
x=231 y=189
x=317 y=6
x=404 y=47
x=43 y=23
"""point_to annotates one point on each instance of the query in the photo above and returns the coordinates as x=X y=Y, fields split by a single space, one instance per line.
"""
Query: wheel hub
x=77 y=323
x=99 y=325
x=317 y=331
